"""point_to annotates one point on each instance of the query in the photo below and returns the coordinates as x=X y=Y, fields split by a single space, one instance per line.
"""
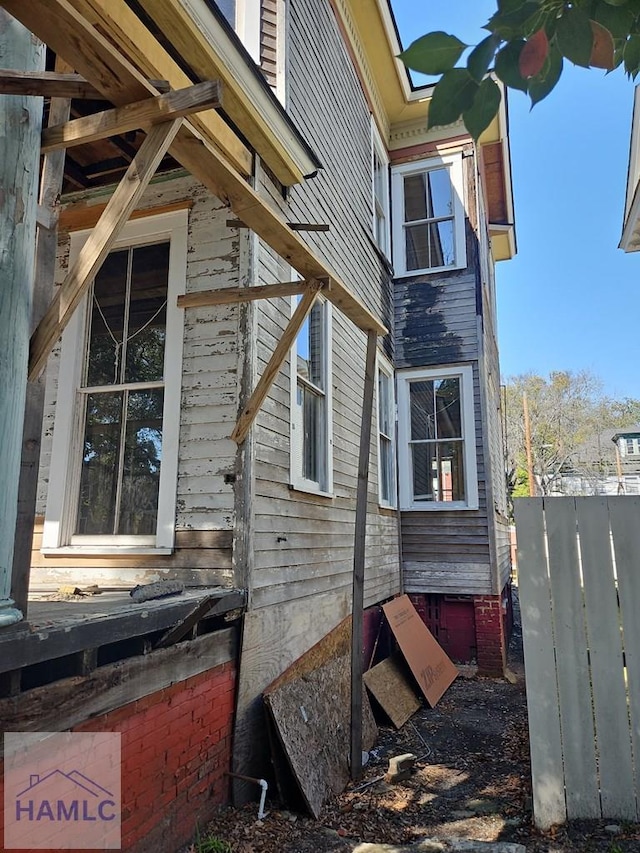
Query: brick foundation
x=490 y=634
x=176 y=747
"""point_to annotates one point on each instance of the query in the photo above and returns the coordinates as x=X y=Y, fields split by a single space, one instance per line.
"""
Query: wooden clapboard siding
x=269 y=40
x=212 y=353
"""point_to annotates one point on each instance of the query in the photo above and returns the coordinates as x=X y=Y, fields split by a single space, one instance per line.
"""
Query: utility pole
x=527 y=444
x=20 y=128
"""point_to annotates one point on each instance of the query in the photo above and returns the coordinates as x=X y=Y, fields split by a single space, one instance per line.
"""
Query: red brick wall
x=490 y=634
x=176 y=747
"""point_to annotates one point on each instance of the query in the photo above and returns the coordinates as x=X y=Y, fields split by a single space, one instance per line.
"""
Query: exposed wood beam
x=276 y=361
x=50 y=84
x=100 y=241
x=47 y=217
x=58 y=24
x=131 y=36
x=228 y=295
x=77 y=217
x=295 y=226
x=141 y=114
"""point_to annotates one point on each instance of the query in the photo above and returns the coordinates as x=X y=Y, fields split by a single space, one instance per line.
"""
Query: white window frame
x=64 y=474
x=381 y=206
x=247 y=26
x=296 y=478
x=384 y=367
x=405 y=475
x=453 y=163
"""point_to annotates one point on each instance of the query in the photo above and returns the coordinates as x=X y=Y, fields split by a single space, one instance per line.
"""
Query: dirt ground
x=471 y=781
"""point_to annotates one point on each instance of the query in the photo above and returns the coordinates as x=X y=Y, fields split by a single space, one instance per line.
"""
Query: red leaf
x=602 y=50
x=534 y=54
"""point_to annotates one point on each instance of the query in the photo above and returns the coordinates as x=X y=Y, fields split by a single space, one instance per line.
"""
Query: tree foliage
x=527 y=45
x=566 y=410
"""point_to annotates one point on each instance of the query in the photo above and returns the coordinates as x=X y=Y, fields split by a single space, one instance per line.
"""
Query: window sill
x=428 y=271
x=387 y=509
x=439 y=507
x=309 y=490
x=106 y=551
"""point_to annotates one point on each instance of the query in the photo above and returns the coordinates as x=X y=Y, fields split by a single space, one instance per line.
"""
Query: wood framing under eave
x=46 y=84
x=135 y=41
x=58 y=24
x=95 y=250
x=142 y=114
x=229 y=295
x=276 y=361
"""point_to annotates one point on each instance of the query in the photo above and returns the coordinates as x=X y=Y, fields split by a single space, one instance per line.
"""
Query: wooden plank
x=81 y=216
x=99 y=243
x=141 y=114
x=66 y=703
x=66 y=32
x=128 y=32
x=574 y=681
x=276 y=361
x=605 y=648
x=549 y=805
x=393 y=692
x=428 y=662
x=54 y=84
x=51 y=181
x=210 y=606
x=230 y=295
x=624 y=513
x=359 y=549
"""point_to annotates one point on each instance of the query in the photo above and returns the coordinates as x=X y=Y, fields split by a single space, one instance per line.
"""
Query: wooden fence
x=579 y=584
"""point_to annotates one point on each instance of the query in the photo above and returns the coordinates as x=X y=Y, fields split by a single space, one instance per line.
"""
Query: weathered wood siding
x=212 y=356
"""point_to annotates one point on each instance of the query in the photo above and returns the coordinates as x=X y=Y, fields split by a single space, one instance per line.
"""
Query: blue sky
x=570 y=299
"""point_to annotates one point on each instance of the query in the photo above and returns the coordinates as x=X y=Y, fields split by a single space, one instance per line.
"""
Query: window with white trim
x=113 y=475
x=436 y=439
x=380 y=190
x=428 y=216
x=386 y=435
x=244 y=16
x=311 y=438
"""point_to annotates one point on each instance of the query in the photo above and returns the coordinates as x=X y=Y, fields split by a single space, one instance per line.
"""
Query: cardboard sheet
x=431 y=667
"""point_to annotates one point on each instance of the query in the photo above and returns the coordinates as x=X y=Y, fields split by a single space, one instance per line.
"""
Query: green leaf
x=480 y=57
x=616 y=19
x=507 y=65
x=485 y=105
x=512 y=24
x=452 y=96
x=574 y=36
x=434 y=53
x=506 y=6
x=540 y=86
x=631 y=56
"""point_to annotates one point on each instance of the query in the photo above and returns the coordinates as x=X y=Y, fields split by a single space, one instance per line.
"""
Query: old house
x=278 y=257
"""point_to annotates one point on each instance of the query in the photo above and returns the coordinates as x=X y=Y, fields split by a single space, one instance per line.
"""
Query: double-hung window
x=114 y=457
x=436 y=436
x=244 y=16
x=380 y=191
x=386 y=436
x=428 y=216
x=311 y=439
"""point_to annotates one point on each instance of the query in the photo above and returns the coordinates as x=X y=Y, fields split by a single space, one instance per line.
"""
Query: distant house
x=203 y=408
x=606 y=464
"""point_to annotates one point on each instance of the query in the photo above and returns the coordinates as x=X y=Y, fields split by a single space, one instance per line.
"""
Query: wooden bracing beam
x=59 y=25
x=228 y=295
x=50 y=84
x=100 y=241
x=276 y=361
x=142 y=114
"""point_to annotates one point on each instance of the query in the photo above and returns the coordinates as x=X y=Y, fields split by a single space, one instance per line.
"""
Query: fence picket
x=625 y=527
x=576 y=718
x=539 y=660
x=613 y=736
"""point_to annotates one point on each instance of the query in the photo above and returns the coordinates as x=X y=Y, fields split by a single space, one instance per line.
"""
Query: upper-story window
x=630 y=446
x=428 y=216
x=244 y=17
x=436 y=439
x=380 y=190
x=386 y=435
x=311 y=439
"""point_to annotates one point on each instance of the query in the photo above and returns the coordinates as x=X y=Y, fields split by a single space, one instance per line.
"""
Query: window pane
x=448 y=416
x=417 y=247
x=422 y=409
x=439 y=200
x=100 y=464
x=313 y=441
x=441 y=244
x=424 y=471
x=415 y=197
x=310 y=347
x=141 y=468
x=146 y=331
x=107 y=321
x=228 y=9
x=386 y=469
x=384 y=403
x=450 y=473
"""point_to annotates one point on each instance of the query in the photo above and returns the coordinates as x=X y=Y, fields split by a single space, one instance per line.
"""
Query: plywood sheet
x=392 y=690
x=311 y=715
x=432 y=668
